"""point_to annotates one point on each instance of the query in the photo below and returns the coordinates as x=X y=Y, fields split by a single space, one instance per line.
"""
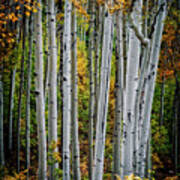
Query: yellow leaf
x=117 y=176
x=14 y=19
x=3 y=35
x=34 y=10
x=38 y=4
x=28 y=7
x=130 y=177
x=17 y=7
x=27 y=13
x=137 y=178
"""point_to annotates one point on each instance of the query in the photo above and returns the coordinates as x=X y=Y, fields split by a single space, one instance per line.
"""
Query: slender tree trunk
x=149 y=89
x=131 y=87
x=52 y=100
x=61 y=87
x=162 y=101
x=28 y=93
x=176 y=137
x=46 y=46
x=97 y=34
x=20 y=95
x=2 y=159
x=60 y=77
x=40 y=112
x=75 y=138
x=149 y=158
x=139 y=102
x=11 y=106
x=118 y=95
x=91 y=85
x=66 y=90
x=103 y=97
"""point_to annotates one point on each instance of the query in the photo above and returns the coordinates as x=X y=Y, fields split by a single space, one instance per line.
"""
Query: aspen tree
x=52 y=99
x=103 y=97
x=162 y=101
x=29 y=64
x=20 y=94
x=91 y=84
x=97 y=53
x=66 y=90
x=119 y=85
x=46 y=39
x=176 y=115
x=2 y=160
x=11 y=106
x=149 y=89
x=40 y=112
x=139 y=102
x=74 y=101
x=131 y=87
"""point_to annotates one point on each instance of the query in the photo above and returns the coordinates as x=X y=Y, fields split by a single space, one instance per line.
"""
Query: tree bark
x=52 y=99
x=131 y=87
x=20 y=94
x=40 y=112
x=103 y=97
x=119 y=87
x=29 y=64
x=46 y=46
x=149 y=89
x=91 y=85
x=162 y=101
x=75 y=134
x=2 y=159
x=66 y=90
x=11 y=106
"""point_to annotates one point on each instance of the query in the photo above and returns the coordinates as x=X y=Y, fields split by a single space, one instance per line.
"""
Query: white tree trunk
x=52 y=99
x=97 y=42
x=40 y=114
x=149 y=89
x=91 y=85
x=118 y=94
x=46 y=47
x=66 y=90
x=139 y=102
x=131 y=87
x=103 y=97
x=75 y=135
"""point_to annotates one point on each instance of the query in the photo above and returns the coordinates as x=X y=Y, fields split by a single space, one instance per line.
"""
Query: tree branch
x=140 y=36
x=155 y=19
